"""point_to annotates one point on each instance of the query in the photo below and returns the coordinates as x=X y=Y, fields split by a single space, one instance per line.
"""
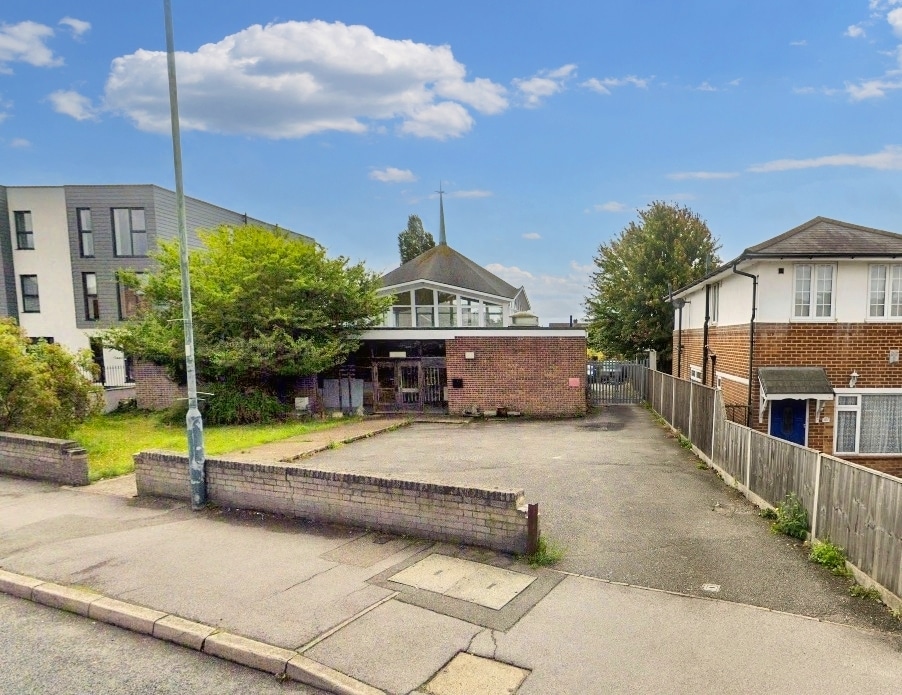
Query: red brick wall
x=526 y=374
x=154 y=390
x=839 y=348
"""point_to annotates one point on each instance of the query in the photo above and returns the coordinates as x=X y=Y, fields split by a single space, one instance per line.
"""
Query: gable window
x=92 y=301
x=31 y=300
x=885 y=291
x=24 y=229
x=447 y=309
x=469 y=312
x=401 y=310
x=129 y=232
x=425 y=300
x=867 y=423
x=813 y=292
x=494 y=315
x=85 y=232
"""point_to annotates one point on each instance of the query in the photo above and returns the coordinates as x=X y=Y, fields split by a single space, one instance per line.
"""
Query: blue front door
x=787 y=420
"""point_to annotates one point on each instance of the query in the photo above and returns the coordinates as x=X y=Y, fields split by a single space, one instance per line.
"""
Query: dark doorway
x=787 y=420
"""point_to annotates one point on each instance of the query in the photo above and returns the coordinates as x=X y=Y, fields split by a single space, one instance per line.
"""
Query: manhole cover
x=466 y=674
x=485 y=585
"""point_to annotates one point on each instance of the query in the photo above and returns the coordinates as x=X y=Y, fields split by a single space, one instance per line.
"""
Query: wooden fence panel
x=666 y=410
x=682 y=394
x=702 y=425
x=861 y=510
x=779 y=468
x=733 y=453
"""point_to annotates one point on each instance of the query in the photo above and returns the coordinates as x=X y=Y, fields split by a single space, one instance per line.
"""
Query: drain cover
x=711 y=588
x=466 y=674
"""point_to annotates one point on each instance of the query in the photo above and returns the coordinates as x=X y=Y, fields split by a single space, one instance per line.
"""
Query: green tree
x=44 y=389
x=628 y=312
x=414 y=240
x=268 y=308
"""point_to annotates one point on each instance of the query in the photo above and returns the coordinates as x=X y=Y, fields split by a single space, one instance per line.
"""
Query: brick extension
x=527 y=374
x=837 y=347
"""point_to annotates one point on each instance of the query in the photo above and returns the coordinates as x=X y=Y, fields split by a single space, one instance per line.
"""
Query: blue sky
x=548 y=124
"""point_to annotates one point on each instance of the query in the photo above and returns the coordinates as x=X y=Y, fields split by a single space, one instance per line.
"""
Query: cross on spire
x=441 y=215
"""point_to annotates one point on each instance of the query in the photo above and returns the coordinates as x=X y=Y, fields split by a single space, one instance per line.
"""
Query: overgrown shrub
x=792 y=518
x=45 y=390
x=233 y=405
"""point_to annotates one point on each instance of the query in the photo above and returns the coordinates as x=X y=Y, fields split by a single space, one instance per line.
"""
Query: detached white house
x=803 y=334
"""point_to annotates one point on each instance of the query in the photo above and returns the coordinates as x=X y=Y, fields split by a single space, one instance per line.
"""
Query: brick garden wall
x=526 y=374
x=154 y=390
x=839 y=348
x=490 y=518
x=57 y=460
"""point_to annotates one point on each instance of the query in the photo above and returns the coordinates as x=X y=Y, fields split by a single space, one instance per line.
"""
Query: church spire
x=441 y=215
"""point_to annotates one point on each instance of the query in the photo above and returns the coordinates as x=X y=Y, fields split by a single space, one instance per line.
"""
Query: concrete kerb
x=172 y=628
x=381 y=430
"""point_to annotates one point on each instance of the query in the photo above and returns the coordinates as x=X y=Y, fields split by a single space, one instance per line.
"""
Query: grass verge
x=111 y=440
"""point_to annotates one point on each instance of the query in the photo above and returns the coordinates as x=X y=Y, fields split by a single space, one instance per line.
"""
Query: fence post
x=817 y=495
x=717 y=395
x=672 y=400
x=689 y=433
x=748 y=462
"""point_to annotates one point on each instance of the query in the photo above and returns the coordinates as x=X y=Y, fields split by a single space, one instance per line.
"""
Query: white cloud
x=734 y=83
x=473 y=193
x=610 y=206
x=77 y=26
x=871 y=89
x=25 y=42
x=801 y=42
x=545 y=83
x=553 y=297
x=71 y=103
x=702 y=175
x=706 y=87
x=894 y=18
x=20 y=143
x=532 y=235
x=392 y=175
x=855 y=31
x=605 y=85
x=889 y=158
x=292 y=79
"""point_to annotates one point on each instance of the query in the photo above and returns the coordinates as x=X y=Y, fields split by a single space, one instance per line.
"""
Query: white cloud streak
x=293 y=79
x=889 y=158
x=702 y=175
x=73 y=104
x=610 y=206
x=534 y=90
x=76 y=26
x=604 y=86
x=553 y=297
x=855 y=31
x=532 y=236
x=26 y=42
x=20 y=143
x=393 y=175
x=473 y=193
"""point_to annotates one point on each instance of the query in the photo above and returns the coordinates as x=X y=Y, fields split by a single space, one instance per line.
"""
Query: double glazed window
x=31 y=300
x=129 y=232
x=868 y=423
x=92 y=301
x=24 y=229
x=813 y=294
x=85 y=232
x=714 y=302
x=129 y=298
x=885 y=291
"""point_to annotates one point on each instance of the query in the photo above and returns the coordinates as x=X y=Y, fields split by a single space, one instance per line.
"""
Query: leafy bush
x=792 y=518
x=44 y=389
x=233 y=405
x=830 y=556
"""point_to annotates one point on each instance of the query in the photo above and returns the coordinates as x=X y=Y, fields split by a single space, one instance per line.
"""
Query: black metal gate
x=611 y=382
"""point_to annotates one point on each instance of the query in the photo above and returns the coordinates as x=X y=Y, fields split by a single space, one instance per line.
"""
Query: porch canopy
x=801 y=383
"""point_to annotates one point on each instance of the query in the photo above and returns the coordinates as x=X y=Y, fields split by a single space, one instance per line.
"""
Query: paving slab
x=467 y=674
x=485 y=585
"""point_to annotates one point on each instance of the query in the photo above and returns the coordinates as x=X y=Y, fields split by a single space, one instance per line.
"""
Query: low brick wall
x=489 y=518
x=57 y=460
x=154 y=390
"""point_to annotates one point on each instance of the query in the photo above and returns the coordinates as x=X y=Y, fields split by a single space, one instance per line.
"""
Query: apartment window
x=695 y=373
x=129 y=232
x=813 y=295
x=85 y=232
x=714 y=302
x=885 y=291
x=24 y=229
x=89 y=290
x=129 y=298
x=31 y=301
x=867 y=423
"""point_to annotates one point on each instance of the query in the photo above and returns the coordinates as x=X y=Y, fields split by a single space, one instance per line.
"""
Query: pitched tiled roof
x=825 y=237
x=444 y=265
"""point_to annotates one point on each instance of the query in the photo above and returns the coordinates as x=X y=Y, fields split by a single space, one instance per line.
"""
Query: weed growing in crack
x=792 y=518
x=830 y=556
x=546 y=555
